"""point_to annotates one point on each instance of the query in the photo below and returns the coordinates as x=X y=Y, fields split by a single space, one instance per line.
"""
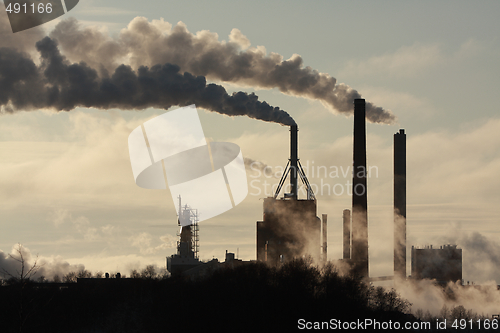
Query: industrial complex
x=291 y=228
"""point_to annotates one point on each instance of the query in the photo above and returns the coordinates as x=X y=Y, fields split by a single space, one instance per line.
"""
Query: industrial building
x=290 y=226
x=443 y=264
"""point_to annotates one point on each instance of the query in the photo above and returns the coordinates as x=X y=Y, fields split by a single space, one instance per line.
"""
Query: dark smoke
x=60 y=85
x=148 y=43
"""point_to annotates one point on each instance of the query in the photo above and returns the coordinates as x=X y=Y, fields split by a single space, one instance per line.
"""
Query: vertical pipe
x=265 y=252
x=294 y=160
x=346 y=217
x=400 y=204
x=359 y=196
x=325 y=240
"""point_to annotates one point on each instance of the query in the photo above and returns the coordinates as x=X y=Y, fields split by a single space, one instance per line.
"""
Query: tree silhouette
x=149 y=272
x=25 y=271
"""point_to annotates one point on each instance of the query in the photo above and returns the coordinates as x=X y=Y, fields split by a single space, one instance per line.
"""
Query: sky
x=68 y=193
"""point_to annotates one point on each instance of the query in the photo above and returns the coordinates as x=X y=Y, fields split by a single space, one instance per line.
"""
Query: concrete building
x=443 y=264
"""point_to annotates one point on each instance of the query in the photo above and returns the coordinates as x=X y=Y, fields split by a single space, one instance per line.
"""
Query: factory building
x=290 y=226
x=443 y=264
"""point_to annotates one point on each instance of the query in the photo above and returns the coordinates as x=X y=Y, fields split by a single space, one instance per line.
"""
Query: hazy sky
x=68 y=192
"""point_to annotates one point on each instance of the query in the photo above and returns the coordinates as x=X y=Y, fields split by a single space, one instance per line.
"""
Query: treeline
x=248 y=298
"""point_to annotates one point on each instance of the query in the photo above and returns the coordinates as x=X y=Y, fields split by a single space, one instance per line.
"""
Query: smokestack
x=359 y=195
x=400 y=203
x=324 y=231
x=294 y=159
x=346 y=216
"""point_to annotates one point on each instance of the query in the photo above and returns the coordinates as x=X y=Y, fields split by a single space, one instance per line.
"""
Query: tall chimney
x=400 y=204
x=294 y=147
x=359 y=254
x=325 y=234
x=346 y=217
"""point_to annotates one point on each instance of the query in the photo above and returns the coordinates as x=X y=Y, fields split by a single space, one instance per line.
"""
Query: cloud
x=144 y=240
x=59 y=216
x=412 y=61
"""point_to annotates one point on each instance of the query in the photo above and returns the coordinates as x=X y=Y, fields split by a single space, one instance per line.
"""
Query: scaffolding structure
x=189 y=233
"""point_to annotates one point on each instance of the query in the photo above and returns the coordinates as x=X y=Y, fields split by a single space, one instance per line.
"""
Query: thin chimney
x=400 y=203
x=359 y=253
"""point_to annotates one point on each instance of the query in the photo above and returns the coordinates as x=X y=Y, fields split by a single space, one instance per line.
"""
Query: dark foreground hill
x=249 y=298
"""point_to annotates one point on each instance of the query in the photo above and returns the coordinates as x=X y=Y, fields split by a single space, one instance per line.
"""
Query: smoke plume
x=149 y=43
x=58 y=84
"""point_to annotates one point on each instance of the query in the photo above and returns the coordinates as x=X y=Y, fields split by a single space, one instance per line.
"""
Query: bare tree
x=134 y=274
x=22 y=275
x=25 y=272
x=83 y=273
x=149 y=272
x=70 y=277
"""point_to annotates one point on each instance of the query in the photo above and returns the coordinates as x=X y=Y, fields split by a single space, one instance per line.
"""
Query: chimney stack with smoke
x=400 y=204
x=346 y=217
x=294 y=160
x=359 y=253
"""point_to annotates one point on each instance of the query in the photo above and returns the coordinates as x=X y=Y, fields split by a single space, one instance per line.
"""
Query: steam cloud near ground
x=10 y=265
x=480 y=263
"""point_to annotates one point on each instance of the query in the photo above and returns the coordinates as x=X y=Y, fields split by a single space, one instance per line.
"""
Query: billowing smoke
x=481 y=258
x=156 y=42
x=58 y=84
x=428 y=298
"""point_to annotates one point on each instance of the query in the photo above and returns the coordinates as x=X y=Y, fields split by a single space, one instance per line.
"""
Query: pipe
x=325 y=234
x=346 y=217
